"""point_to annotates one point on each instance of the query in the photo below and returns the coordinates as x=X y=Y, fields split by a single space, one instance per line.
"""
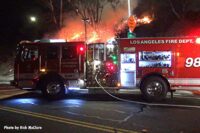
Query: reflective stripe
x=184 y=81
x=70 y=75
x=185 y=88
x=27 y=75
x=195 y=82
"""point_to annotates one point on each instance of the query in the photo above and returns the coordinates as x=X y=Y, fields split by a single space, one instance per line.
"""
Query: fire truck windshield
x=27 y=53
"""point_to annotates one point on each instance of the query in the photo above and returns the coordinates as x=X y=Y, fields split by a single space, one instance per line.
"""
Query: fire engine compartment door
x=71 y=62
x=128 y=70
x=52 y=58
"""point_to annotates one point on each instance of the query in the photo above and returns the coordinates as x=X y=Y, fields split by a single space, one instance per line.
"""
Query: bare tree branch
x=53 y=12
x=174 y=10
x=91 y=9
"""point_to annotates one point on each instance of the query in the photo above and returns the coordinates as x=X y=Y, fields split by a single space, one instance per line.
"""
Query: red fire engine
x=159 y=65
x=155 y=65
x=54 y=65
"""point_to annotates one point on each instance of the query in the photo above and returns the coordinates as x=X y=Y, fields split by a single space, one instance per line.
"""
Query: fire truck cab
x=49 y=66
x=159 y=65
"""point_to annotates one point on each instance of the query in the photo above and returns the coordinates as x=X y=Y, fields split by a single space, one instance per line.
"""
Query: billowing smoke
x=112 y=20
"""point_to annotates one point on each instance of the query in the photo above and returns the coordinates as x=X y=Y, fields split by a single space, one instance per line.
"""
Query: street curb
x=7 y=96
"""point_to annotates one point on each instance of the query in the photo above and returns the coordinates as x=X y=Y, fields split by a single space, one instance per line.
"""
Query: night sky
x=15 y=24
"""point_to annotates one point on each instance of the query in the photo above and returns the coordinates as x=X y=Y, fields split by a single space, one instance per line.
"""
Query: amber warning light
x=43 y=70
x=198 y=40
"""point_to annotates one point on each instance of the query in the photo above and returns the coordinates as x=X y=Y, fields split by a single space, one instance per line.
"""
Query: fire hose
x=142 y=103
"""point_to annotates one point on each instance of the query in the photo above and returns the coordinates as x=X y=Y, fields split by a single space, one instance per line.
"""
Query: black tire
x=154 y=88
x=53 y=87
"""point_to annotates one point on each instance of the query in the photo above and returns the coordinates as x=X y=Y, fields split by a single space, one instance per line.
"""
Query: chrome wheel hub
x=53 y=88
x=154 y=89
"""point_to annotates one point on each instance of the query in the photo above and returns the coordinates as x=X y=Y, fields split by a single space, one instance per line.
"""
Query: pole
x=129 y=8
x=85 y=26
x=86 y=52
x=85 y=23
x=85 y=19
x=61 y=13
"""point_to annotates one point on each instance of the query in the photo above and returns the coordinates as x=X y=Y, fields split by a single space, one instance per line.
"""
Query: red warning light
x=81 y=49
x=110 y=66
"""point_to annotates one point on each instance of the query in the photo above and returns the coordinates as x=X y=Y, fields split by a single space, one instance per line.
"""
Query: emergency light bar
x=51 y=40
x=57 y=40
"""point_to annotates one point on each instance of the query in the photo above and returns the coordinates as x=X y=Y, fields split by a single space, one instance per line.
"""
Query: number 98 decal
x=192 y=62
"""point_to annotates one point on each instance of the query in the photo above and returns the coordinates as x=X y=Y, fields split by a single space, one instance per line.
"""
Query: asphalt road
x=83 y=113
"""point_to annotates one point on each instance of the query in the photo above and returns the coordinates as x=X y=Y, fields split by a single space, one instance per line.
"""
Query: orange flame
x=74 y=28
x=95 y=37
x=109 y=25
x=101 y=34
x=144 y=20
x=76 y=36
x=74 y=31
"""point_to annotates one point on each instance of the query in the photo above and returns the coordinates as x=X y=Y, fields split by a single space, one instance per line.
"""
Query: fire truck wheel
x=154 y=88
x=53 y=88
